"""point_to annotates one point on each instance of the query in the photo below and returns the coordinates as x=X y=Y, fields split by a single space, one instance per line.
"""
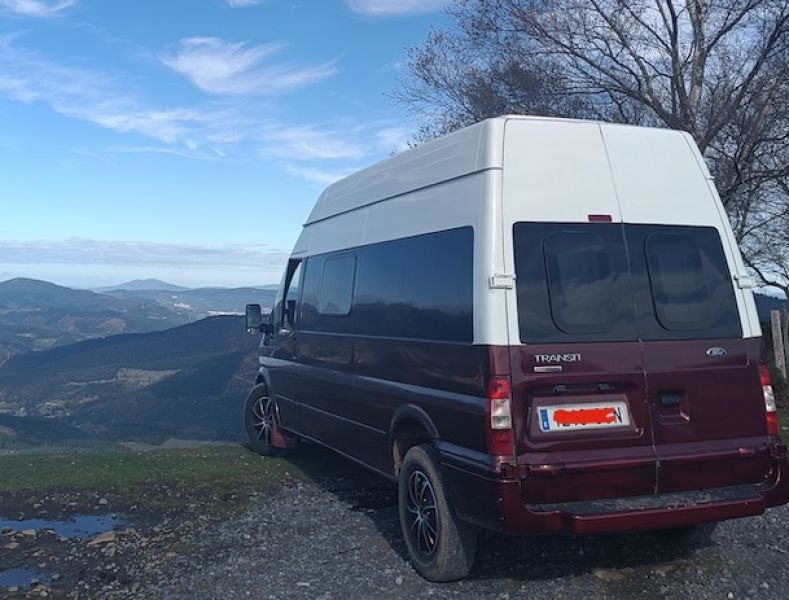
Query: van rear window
x=572 y=283
x=609 y=282
x=682 y=284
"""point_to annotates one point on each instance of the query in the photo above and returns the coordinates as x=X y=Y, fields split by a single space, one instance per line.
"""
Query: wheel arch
x=263 y=377
x=410 y=426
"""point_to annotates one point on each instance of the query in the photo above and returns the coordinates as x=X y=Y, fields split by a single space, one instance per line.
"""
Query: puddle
x=20 y=578
x=78 y=526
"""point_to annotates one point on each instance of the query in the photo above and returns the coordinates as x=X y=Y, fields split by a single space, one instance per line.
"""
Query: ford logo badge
x=716 y=352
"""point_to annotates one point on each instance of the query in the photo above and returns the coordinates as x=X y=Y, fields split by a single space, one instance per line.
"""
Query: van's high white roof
x=468 y=150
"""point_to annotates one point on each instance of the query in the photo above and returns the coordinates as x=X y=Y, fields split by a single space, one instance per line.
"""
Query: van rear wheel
x=441 y=547
x=260 y=424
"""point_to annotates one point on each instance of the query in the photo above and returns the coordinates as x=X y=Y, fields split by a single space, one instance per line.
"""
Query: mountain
x=36 y=315
x=188 y=381
x=144 y=285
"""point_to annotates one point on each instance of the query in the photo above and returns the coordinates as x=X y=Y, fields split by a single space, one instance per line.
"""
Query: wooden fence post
x=778 y=341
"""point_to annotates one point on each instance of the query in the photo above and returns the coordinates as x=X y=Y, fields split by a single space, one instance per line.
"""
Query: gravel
x=339 y=537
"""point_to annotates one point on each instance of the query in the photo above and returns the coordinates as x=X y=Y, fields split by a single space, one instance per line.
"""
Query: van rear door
x=702 y=377
x=578 y=377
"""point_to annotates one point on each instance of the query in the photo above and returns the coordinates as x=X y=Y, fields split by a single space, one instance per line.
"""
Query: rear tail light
x=499 y=433
x=769 y=401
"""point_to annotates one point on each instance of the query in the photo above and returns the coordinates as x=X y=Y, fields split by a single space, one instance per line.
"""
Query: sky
x=188 y=140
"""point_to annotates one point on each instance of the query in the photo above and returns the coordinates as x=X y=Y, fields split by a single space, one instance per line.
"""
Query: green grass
x=119 y=471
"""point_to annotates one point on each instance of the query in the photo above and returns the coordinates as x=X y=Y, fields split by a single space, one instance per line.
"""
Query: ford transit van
x=531 y=325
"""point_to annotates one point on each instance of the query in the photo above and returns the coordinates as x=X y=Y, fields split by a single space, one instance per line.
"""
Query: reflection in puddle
x=20 y=578
x=78 y=526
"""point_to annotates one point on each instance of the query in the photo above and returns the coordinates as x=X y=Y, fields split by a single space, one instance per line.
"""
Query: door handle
x=670 y=399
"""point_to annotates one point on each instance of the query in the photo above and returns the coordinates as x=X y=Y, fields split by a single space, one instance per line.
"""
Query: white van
x=532 y=325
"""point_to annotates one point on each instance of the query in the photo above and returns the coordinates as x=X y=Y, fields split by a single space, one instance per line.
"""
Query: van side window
x=286 y=304
x=336 y=291
x=329 y=281
x=419 y=287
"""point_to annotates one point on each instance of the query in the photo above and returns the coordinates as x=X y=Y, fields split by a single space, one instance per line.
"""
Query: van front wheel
x=260 y=424
x=441 y=547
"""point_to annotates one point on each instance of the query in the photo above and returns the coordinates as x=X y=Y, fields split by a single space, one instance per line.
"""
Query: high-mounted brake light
x=500 y=439
x=600 y=218
x=771 y=413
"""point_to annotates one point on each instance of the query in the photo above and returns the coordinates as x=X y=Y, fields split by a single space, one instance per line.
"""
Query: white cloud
x=75 y=92
x=313 y=174
x=193 y=153
x=220 y=67
x=234 y=126
x=343 y=140
x=305 y=142
x=35 y=8
x=393 y=139
x=395 y=8
x=243 y=3
x=79 y=251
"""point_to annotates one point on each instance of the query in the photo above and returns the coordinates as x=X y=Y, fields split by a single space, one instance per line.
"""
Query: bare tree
x=718 y=69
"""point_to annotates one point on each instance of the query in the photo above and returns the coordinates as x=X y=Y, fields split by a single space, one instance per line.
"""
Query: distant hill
x=144 y=284
x=37 y=315
x=185 y=382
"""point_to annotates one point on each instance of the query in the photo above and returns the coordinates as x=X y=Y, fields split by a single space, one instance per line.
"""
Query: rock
x=12 y=546
x=103 y=502
x=107 y=537
x=608 y=574
x=170 y=555
x=28 y=532
x=6 y=530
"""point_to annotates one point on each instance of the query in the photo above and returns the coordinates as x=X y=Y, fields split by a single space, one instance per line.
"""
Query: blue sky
x=187 y=140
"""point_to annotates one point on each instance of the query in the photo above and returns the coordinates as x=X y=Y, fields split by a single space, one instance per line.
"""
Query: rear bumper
x=496 y=503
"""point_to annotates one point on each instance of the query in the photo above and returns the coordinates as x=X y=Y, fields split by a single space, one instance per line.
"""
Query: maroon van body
x=675 y=467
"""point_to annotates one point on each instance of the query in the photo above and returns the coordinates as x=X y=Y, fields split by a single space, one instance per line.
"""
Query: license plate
x=570 y=417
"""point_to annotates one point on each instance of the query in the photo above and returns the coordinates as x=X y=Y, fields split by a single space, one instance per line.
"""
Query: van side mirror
x=255 y=322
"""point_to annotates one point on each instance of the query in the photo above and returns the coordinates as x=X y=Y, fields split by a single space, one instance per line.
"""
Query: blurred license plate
x=569 y=417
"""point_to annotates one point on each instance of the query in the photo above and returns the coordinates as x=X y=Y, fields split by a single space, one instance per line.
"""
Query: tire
x=260 y=425
x=690 y=536
x=441 y=547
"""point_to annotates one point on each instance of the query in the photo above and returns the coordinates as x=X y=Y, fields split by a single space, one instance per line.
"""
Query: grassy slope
x=118 y=471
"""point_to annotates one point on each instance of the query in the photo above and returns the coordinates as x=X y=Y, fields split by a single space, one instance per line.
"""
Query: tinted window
x=328 y=291
x=683 y=288
x=419 y=287
x=581 y=281
x=572 y=283
x=336 y=290
x=288 y=294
